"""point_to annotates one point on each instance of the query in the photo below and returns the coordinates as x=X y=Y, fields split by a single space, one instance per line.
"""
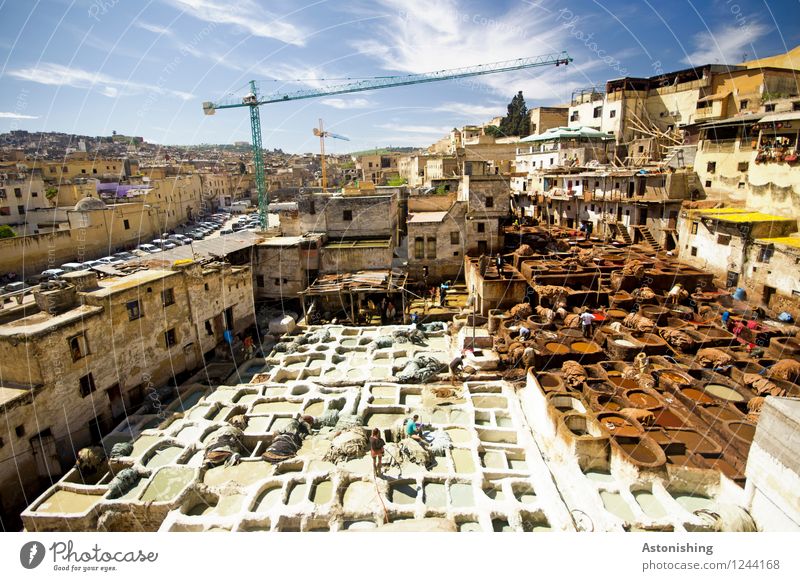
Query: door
x=190 y=356
x=766 y=295
x=643 y=216
x=46 y=454
x=732 y=279
x=116 y=403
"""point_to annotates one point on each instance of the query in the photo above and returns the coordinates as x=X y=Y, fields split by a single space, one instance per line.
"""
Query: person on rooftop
x=413 y=429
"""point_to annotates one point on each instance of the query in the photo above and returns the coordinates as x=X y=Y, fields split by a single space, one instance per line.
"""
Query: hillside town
x=572 y=317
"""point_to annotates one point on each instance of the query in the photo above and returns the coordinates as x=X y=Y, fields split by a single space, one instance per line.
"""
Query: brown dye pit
x=559 y=348
x=723 y=413
x=549 y=381
x=584 y=347
x=693 y=440
x=696 y=395
x=619 y=427
x=639 y=453
x=642 y=399
x=723 y=466
x=616 y=313
x=623 y=382
x=675 y=378
x=609 y=404
x=743 y=430
x=666 y=419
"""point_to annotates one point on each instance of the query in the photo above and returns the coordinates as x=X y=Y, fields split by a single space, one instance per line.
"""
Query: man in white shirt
x=587 y=319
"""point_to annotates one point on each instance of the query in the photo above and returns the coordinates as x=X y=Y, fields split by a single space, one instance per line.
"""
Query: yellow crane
x=322 y=134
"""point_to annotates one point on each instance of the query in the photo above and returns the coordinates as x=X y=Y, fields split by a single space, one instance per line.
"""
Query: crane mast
x=253 y=100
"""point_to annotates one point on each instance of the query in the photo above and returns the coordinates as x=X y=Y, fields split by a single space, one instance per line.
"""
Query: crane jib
x=253 y=101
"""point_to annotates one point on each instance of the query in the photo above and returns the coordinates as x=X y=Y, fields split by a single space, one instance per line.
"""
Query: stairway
x=619 y=229
x=648 y=237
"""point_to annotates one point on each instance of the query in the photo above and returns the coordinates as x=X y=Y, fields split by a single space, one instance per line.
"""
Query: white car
x=109 y=260
x=71 y=266
x=51 y=273
x=149 y=248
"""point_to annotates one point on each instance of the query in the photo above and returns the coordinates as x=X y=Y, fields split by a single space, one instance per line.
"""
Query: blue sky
x=144 y=67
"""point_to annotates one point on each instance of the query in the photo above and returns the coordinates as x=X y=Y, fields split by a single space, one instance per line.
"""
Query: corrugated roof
x=426 y=217
x=785 y=116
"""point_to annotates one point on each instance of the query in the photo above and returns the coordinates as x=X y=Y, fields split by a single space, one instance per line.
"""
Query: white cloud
x=351 y=103
x=12 y=115
x=422 y=129
x=421 y=36
x=154 y=28
x=60 y=75
x=245 y=15
x=726 y=45
x=471 y=109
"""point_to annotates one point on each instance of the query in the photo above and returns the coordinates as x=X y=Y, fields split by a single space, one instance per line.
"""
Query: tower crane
x=322 y=134
x=253 y=100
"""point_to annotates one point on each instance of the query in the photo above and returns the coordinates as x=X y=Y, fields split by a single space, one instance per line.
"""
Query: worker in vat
x=376 y=445
x=456 y=366
x=528 y=357
x=414 y=429
x=498 y=263
x=587 y=319
x=248 y=346
x=443 y=292
x=524 y=333
x=674 y=295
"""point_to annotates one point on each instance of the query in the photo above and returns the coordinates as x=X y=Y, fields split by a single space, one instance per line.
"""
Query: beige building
x=80 y=358
x=544 y=118
x=19 y=194
x=378 y=168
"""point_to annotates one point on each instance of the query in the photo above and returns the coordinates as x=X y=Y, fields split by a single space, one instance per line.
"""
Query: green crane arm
x=253 y=100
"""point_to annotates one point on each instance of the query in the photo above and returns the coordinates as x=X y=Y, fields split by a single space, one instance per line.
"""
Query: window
x=77 y=346
x=481 y=227
x=574 y=116
x=711 y=167
x=765 y=252
x=347 y=215
x=34 y=194
x=205 y=286
x=419 y=248
x=743 y=104
x=641 y=149
x=169 y=338
x=708 y=183
x=20 y=430
x=454 y=237
x=20 y=210
x=489 y=201
x=612 y=113
x=18 y=192
x=795 y=107
x=126 y=224
x=769 y=108
x=694 y=227
x=86 y=384
x=743 y=166
x=598 y=111
x=431 y=248
x=134 y=310
x=694 y=251
x=168 y=297
x=723 y=239
x=5 y=211
x=260 y=280
x=209 y=327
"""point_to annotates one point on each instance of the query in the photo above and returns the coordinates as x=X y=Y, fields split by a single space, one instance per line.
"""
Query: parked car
x=71 y=266
x=125 y=255
x=195 y=235
x=163 y=244
x=14 y=287
x=149 y=248
x=51 y=273
x=180 y=239
x=109 y=260
x=236 y=226
x=225 y=231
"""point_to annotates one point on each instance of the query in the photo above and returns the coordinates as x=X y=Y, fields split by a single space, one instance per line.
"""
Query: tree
x=516 y=120
x=7 y=232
